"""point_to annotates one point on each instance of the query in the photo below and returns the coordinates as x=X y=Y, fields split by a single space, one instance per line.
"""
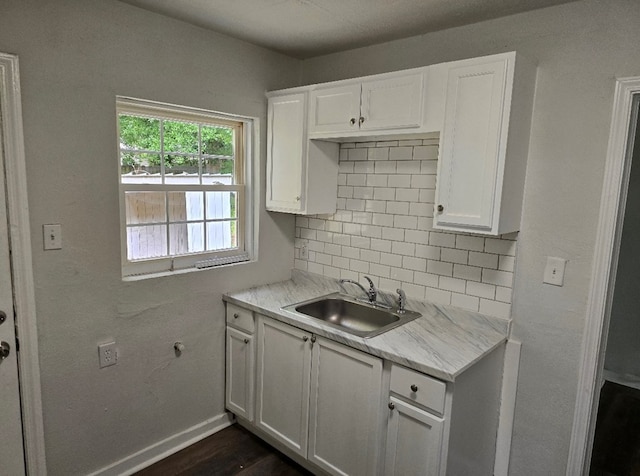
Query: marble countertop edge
x=443 y=343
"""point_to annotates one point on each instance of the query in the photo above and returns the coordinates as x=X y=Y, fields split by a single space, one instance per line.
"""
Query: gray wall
x=623 y=347
x=581 y=48
x=75 y=57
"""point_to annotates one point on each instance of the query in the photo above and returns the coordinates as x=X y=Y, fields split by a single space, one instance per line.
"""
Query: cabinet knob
x=236 y=315
x=352 y=121
x=440 y=208
x=391 y=406
x=297 y=199
x=313 y=338
x=305 y=338
x=246 y=341
x=361 y=120
x=414 y=388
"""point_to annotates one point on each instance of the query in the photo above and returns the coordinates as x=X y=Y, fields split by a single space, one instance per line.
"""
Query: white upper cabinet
x=388 y=103
x=484 y=145
x=302 y=175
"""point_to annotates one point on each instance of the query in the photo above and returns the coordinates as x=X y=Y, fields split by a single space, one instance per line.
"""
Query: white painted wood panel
x=334 y=109
x=414 y=440
x=284 y=369
x=471 y=146
x=240 y=373
x=286 y=149
x=346 y=389
x=392 y=103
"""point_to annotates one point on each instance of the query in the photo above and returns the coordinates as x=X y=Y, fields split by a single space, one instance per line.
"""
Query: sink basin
x=353 y=316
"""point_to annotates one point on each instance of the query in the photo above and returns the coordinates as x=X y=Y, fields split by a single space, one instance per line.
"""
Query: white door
x=334 y=109
x=11 y=449
x=346 y=393
x=472 y=138
x=286 y=161
x=240 y=373
x=284 y=369
x=414 y=441
x=392 y=103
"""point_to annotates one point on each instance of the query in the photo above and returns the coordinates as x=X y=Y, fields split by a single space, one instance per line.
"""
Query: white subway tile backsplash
x=383 y=227
x=399 y=181
x=483 y=260
x=401 y=153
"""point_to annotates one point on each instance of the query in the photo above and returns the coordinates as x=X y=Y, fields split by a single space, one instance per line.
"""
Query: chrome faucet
x=372 y=292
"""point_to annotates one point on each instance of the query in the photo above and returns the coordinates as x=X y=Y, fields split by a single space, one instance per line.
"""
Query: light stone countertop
x=442 y=343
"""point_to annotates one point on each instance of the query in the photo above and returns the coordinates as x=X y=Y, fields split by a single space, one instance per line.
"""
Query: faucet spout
x=372 y=292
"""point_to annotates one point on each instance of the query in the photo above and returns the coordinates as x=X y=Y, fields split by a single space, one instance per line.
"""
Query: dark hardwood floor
x=231 y=451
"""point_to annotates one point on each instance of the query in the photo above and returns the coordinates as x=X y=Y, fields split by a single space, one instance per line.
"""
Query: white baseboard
x=160 y=450
x=507 y=407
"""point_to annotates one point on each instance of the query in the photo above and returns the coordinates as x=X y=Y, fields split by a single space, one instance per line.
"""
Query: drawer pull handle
x=440 y=208
x=361 y=120
x=313 y=338
x=391 y=406
x=352 y=121
x=236 y=315
x=246 y=341
x=305 y=338
x=414 y=388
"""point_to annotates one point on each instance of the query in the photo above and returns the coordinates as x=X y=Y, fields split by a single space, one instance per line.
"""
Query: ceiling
x=307 y=28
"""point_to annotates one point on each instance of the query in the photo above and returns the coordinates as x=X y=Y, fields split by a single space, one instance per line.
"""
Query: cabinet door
x=414 y=441
x=240 y=373
x=346 y=390
x=472 y=147
x=334 y=109
x=392 y=103
x=284 y=368
x=286 y=153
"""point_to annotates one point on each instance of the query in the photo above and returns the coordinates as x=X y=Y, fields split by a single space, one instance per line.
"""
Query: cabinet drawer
x=240 y=318
x=418 y=388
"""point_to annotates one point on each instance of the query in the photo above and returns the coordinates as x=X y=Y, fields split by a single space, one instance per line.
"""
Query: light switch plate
x=52 y=236
x=554 y=271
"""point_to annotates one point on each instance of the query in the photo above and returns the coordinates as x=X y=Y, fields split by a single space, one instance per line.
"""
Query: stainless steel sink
x=350 y=315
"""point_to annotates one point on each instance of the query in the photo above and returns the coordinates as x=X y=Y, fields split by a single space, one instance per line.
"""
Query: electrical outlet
x=304 y=252
x=108 y=354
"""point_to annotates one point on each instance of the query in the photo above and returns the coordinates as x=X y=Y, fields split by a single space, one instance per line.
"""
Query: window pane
x=221 y=235
x=139 y=133
x=179 y=169
x=217 y=171
x=186 y=206
x=180 y=137
x=139 y=168
x=186 y=238
x=145 y=207
x=217 y=141
x=146 y=242
x=221 y=205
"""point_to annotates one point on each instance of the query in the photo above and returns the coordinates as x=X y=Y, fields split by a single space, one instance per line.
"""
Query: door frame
x=21 y=264
x=607 y=247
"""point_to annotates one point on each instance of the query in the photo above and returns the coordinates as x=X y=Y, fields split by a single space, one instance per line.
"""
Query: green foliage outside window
x=139 y=133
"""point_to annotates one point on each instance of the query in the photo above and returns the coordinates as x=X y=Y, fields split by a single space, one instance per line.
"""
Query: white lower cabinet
x=239 y=373
x=346 y=386
x=283 y=375
x=340 y=411
x=319 y=399
x=240 y=362
x=414 y=441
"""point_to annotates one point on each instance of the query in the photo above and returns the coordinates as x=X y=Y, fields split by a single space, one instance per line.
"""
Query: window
x=183 y=196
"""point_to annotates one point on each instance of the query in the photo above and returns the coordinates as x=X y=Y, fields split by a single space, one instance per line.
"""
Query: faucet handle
x=402 y=299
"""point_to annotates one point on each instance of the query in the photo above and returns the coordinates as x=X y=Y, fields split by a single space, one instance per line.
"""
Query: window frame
x=244 y=148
